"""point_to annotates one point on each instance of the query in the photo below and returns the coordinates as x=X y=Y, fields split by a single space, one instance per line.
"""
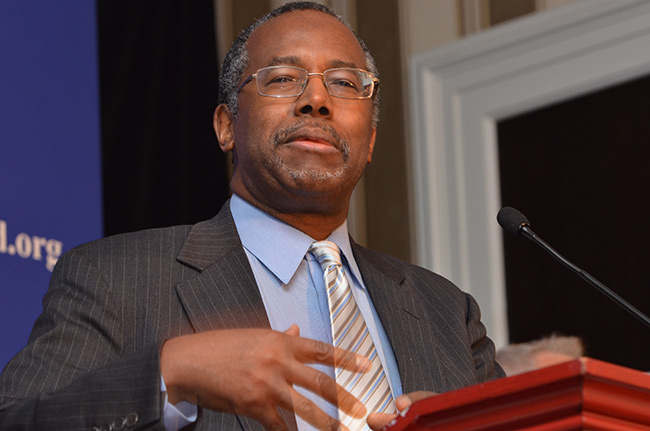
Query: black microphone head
x=511 y=220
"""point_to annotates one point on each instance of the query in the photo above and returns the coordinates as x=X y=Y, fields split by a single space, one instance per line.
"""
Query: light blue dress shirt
x=291 y=284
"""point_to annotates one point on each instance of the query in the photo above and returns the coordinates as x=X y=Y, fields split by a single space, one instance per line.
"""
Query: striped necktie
x=349 y=332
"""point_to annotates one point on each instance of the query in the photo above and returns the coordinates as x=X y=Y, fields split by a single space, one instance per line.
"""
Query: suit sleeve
x=482 y=347
x=77 y=372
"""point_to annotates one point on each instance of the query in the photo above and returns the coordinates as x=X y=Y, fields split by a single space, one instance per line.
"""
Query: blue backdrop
x=50 y=181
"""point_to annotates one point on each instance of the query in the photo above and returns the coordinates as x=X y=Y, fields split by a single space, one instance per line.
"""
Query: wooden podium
x=584 y=394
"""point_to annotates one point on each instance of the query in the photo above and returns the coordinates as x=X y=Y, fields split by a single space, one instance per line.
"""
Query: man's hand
x=250 y=372
x=378 y=421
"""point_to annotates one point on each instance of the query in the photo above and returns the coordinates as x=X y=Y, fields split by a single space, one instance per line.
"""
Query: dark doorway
x=580 y=171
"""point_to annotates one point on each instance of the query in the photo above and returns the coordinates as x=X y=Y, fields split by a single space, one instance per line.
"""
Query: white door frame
x=459 y=92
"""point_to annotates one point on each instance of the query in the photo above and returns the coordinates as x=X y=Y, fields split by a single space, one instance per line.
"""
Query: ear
x=224 y=128
x=371 y=147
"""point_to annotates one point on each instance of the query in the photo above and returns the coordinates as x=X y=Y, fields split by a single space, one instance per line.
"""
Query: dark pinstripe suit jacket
x=93 y=356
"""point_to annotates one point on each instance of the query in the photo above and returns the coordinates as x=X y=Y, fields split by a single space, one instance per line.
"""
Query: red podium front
x=584 y=394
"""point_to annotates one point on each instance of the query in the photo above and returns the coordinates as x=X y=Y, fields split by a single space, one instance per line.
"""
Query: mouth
x=312 y=142
x=313 y=138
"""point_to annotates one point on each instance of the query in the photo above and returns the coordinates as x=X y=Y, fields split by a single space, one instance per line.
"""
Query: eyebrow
x=278 y=61
x=295 y=61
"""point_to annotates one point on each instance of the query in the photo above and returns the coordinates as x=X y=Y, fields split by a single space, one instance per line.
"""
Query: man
x=140 y=329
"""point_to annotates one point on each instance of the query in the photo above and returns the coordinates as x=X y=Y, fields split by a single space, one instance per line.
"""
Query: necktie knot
x=327 y=254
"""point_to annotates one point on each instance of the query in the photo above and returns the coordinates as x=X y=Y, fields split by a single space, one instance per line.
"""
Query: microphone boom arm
x=526 y=231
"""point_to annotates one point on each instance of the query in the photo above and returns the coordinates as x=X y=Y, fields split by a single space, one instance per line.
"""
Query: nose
x=315 y=100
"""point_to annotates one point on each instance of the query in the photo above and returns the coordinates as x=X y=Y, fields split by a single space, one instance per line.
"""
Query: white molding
x=459 y=92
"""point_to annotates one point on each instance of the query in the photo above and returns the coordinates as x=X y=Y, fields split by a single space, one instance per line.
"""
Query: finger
x=293 y=330
x=347 y=360
x=312 y=414
x=271 y=420
x=312 y=351
x=326 y=387
x=404 y=401
x=377 y=421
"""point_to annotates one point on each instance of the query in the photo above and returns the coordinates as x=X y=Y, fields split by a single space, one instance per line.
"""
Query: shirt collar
x=277 y=245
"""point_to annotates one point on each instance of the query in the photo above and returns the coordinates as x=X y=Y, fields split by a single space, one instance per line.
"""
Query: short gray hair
x=236 y=60
x=520 y=358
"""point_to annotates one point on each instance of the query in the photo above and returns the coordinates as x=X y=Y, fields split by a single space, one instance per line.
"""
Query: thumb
x=405 y=400
x=293 y=330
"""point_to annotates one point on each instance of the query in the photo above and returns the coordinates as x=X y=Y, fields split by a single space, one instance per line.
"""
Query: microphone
x=514 y=222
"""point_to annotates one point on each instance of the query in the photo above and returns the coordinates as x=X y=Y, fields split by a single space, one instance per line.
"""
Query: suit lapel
x=223 y=294
x=403 y=318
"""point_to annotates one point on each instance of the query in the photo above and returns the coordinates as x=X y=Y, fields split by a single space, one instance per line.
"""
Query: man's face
x=304 y=153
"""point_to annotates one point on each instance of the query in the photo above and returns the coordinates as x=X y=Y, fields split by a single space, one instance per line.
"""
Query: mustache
x=281 y=136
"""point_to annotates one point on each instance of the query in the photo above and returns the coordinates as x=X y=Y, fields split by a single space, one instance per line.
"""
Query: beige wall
x=428 y=24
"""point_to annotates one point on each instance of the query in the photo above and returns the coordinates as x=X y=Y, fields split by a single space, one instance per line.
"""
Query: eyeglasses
x=290 y=81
